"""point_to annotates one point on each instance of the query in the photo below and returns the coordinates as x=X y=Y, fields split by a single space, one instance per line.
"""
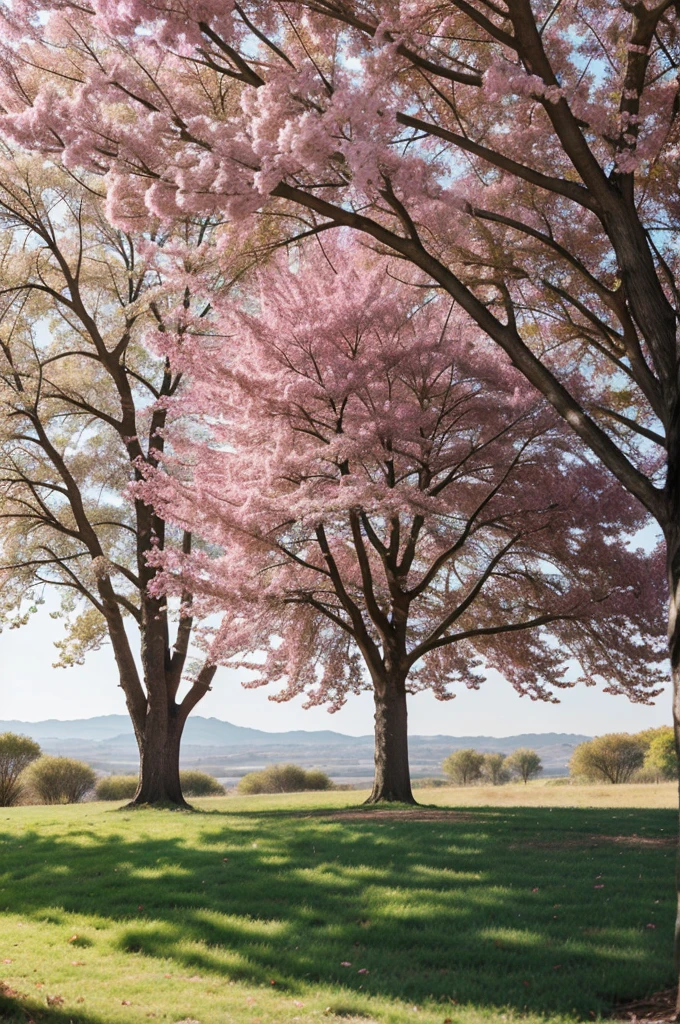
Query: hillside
x=228 y=751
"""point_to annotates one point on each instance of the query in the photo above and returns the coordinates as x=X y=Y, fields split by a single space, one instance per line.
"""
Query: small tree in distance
x=494 y=769
x=464 y=766
x=612 y=758
x=525 y=763
x=16 y=754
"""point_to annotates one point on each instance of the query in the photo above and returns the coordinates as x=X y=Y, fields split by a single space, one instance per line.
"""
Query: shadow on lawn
x=522 y=908
x=19 y=1011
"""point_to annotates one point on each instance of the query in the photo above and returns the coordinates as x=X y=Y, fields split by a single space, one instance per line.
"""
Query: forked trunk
x=159 y=761
x=392 y=780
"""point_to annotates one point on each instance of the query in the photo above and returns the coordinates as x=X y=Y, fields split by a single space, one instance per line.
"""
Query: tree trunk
x=159 y=760
x=392 y=780
x=673 y=557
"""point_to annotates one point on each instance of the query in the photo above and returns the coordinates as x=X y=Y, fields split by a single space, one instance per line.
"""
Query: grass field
x=274 y=909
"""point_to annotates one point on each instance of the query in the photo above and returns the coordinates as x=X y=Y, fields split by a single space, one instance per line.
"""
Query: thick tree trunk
x=159 y=761
x=673 y=549
x=392 y=780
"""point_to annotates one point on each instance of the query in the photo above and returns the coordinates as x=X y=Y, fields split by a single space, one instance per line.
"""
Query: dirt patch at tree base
x=658 y=1008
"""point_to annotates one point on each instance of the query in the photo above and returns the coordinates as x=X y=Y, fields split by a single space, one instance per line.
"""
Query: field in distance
x=538 y=793
x=309 y=908
x=553 y=793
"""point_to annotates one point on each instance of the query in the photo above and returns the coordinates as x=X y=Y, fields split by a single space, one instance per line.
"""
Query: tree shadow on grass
x=17 y=1009
x=563 y=910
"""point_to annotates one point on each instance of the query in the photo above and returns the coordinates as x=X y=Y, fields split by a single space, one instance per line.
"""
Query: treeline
x=465 y=767
x=647 y=756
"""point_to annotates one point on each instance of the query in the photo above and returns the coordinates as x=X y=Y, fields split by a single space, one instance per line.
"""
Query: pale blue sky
x=31 y=690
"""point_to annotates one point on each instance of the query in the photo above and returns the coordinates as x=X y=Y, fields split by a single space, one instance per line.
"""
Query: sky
x=31 y=690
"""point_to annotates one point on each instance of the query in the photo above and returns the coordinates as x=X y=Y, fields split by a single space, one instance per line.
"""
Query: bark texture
x=392 y=782
x=673 y=554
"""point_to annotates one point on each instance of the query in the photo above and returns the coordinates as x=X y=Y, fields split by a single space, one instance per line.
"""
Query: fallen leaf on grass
x=74 y=938
x=55 y=1000
x=296 y=1002
x=7 y=961
x=77 y=963
x=650 y=925
x=5 y=990
x=345 y=963
x=125 y=1002
x=80 y=999
x=363 y=970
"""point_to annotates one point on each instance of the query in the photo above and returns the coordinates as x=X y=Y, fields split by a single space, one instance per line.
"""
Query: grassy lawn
x=248 y=911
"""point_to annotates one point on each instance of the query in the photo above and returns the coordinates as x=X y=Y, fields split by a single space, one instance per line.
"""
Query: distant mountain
x=199 y=731
x=228 y=751
x=213 y=732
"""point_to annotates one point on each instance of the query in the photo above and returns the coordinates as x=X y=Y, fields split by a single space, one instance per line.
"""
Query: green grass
x=244 y=913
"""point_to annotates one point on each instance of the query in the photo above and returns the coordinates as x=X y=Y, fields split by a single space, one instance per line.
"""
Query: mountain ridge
x=200 y=731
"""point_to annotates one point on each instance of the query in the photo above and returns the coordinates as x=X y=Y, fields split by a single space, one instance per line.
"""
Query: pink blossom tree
x=393 y=509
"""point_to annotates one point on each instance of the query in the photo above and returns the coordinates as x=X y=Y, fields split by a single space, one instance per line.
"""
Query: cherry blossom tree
x=392 y=508
x=78 y=420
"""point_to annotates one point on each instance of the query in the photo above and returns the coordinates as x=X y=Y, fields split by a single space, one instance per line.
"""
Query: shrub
x=283 y=778
x=494 y=769
x=646 y=776
x=60 y=780
x=661 y=759
x=16 y=754
x=430 y=782
x=524 y=763
x=117 y=787
x=124 y=787
x=317 y=780
x=195 y=783
x=612 y=758
x=464 y=766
